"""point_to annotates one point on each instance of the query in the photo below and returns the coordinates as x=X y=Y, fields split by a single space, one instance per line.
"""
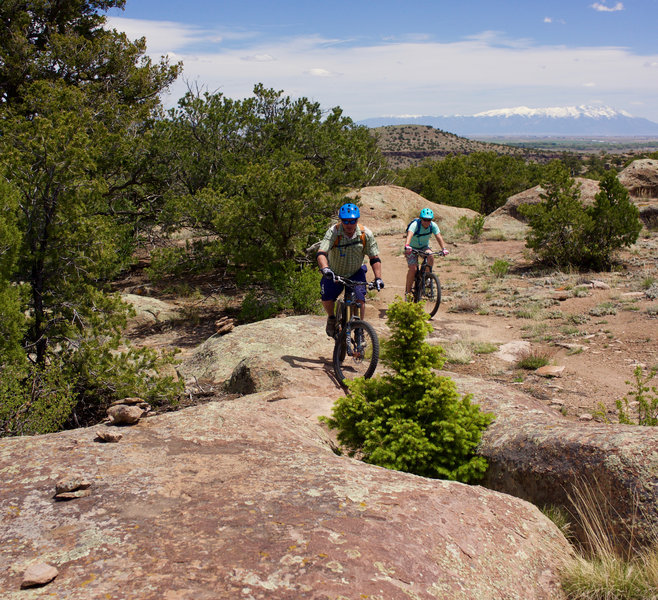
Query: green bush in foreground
x=413 y=420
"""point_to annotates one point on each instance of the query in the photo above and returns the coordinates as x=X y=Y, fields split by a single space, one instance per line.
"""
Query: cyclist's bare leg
x=430 y=260
x=362 y=310
x=328 y=307
x=411 y=273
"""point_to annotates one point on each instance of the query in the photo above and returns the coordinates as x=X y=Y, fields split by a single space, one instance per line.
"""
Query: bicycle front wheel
x=430 y=293
x=356 y=352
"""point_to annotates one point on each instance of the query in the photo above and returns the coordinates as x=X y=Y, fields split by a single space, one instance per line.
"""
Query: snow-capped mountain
x=553 y=121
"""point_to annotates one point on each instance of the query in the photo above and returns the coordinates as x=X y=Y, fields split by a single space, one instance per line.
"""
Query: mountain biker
x=342 y=252
x=418 y=238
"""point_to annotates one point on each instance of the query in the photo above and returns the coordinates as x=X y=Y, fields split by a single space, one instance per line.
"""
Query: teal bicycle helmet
x=349 y=211
x=427 y=213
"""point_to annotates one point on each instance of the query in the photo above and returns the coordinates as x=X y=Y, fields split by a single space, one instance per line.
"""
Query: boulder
x=536 y=454
x=387 y=209
x=243 y=500
x=640 y=178
x=588 y=190
x=149 y=311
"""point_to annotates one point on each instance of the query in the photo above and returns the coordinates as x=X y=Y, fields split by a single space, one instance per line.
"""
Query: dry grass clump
x=606 y=567
x=459 y=353
x=467 y=304
x=533 y=359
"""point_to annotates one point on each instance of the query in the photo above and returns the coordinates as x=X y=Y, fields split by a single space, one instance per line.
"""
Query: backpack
x=362 y=237
x=418 y=226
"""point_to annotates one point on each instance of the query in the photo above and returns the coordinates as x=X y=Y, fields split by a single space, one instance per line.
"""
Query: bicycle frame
x=356 y=350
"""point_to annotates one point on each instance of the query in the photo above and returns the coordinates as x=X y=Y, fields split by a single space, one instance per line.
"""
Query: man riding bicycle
x=418 y=238
x=342 y=252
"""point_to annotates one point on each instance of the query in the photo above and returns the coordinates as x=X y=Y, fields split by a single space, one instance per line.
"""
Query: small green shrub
x=473 y=227
x=605 y=308
x=645 y=400
x=485 y=347
x=500 y=268
x=531 y=360
x=412 y=420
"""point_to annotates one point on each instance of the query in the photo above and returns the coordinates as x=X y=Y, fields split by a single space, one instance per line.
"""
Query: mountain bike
x=427 y=287
x=356 y=351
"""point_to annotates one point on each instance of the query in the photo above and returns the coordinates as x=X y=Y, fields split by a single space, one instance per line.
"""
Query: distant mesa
x=565 y=121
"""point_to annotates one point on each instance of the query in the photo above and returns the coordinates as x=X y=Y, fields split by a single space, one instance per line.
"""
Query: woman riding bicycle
x=418 y=238
x=342 y=252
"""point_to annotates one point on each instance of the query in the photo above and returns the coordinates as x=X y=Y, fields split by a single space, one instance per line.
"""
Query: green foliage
x=615 y=222
x=481 y=181
x=566 y=233
x=412 y=420
x=293 y=289
x=532 y=360
x=473 y=227
x=264 y=173
x=77 y=106
x=39 y=402
x=644 y=399
x=500 y=268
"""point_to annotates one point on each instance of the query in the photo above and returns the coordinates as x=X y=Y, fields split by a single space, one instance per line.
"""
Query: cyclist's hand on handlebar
x=407 y=250
x=445 y=252
x=328 y=273
x=379 y=284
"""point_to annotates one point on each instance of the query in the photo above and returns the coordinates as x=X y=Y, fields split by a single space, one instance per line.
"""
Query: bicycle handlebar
x=426 y=253
x=352 y=283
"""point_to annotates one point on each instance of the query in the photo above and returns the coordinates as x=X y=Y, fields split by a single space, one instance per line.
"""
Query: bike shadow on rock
x=322 y=363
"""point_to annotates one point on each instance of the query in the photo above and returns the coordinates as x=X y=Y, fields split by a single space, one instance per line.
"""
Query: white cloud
x=429 y=77
x=259 y=58
x=548 y=19
x=601 y=7
x=321 y=73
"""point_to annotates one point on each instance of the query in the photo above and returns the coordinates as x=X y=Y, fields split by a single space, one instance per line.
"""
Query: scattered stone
x=74 y=487
x=108 y=436
x=73 y=495
x=124 y=415
x=585 y=417
x=570 y=346
x=38 y=574
x=599 y=285
x=127 y=411
x=224 y=325
x=510 y=352
x=130 y=402
x=561 y=296
x=633 y=295
x=71 y=484
x=550 y=371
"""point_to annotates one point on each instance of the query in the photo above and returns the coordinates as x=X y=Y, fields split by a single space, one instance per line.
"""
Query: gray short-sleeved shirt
x=346 y=258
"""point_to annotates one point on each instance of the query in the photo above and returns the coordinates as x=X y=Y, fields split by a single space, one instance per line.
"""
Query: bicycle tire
x=361 y=362
x=430 y=293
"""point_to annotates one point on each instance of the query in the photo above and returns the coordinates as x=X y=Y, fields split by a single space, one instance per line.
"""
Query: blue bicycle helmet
x=427 y=213
x=349 y=211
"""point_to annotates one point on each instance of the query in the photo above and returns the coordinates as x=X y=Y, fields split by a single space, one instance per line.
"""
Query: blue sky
x=411 y=57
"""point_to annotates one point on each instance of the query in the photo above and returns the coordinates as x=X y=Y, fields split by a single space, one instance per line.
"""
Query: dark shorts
x=331 y=289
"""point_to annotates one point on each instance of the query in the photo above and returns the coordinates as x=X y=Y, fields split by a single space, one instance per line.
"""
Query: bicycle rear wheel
x=429 y=292
x=356 y=352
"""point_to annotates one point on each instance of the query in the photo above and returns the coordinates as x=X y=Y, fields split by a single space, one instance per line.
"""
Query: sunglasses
x=349 y=221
